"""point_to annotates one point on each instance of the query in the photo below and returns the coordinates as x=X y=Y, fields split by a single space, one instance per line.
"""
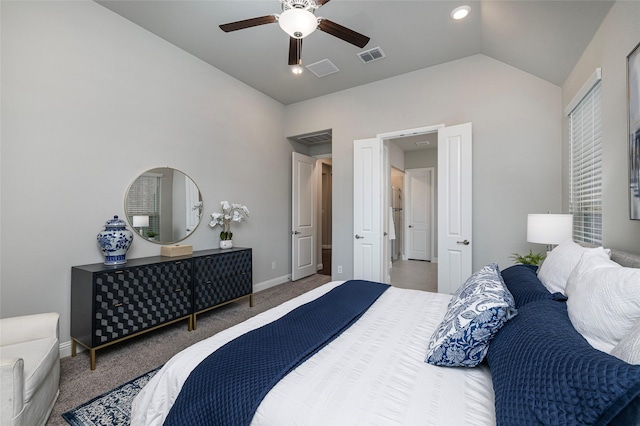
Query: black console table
x=113 y=303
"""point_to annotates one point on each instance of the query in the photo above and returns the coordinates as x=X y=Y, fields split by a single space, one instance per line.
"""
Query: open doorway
x=316 y=147
x=372 y=203
x=413 y=210
x=326 y=206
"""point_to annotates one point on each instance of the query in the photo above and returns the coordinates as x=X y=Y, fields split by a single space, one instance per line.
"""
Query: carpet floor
x=127 y=360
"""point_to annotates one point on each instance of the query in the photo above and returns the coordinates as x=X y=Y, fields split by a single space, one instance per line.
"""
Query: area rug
x=110 y=408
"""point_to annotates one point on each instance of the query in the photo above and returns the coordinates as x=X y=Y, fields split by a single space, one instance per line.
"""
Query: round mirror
x=163 y=205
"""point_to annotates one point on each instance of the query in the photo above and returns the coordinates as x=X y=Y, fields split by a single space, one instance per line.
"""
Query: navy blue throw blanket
x=545 y=373
x=227 y=386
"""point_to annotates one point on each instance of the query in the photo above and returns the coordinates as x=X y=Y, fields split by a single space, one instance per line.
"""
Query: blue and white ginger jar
x=114 y=241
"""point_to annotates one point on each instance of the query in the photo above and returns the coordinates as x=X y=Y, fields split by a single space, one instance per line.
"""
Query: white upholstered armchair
x=29 y=368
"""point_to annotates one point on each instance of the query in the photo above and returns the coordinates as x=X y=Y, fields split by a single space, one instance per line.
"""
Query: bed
x=375 y=370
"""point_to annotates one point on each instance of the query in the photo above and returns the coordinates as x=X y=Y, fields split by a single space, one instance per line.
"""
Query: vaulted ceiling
x=542 y=37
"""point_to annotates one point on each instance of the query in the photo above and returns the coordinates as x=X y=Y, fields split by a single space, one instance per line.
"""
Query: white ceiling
x=418 y=142
x=542 y=37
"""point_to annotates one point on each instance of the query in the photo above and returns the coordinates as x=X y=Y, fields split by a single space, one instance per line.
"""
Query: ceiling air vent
x=322 y=68
x=371 y=55
x=315 y=138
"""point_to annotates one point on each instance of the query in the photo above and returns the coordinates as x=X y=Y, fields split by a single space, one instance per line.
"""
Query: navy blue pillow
x=545 y=372
x=524 y=285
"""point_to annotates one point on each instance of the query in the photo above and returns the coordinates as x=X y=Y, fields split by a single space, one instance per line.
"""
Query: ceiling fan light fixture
x=298 y=23
x=297 y=69
x=460 y=12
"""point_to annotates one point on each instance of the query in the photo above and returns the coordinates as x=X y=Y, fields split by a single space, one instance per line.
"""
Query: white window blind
x=143 y=198
x=585 y=134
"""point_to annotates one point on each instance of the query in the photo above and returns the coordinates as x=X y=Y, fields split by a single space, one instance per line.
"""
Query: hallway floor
x=415 y=274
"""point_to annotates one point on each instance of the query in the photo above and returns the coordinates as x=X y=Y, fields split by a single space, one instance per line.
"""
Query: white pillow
x=603 y=300
x=628 y=349
x=559 y=264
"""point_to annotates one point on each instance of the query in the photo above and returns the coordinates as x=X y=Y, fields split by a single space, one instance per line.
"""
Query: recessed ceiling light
x=460 y=12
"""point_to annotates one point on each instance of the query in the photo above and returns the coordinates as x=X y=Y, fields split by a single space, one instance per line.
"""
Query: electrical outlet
x=339 y=269
x=273 y=265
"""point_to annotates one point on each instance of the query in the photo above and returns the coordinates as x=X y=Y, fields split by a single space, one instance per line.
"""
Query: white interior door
x=454 y=207
x=367 y=209
x=303 y=202
x=418 y=213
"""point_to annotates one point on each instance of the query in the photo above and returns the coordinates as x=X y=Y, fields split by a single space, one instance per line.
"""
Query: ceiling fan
x=298 y=20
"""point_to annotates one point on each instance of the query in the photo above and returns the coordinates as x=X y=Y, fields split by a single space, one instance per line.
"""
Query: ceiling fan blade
x=248 y=23
x=344 y=33
x=295 y=50
x=322 y=2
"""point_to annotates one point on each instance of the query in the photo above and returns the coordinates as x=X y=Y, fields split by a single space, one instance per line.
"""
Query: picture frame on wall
x=633 y=89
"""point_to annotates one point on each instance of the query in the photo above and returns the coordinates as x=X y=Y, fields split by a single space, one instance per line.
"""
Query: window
x=143 y=198
x=585 y=137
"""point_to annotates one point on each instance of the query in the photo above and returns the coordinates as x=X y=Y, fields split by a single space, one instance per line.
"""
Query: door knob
x=410 y=226
x=385 y=234
x=465 y=242
x=358 y=237
x=296 y=232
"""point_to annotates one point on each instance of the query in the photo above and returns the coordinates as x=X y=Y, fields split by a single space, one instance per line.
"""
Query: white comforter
x=374 y=373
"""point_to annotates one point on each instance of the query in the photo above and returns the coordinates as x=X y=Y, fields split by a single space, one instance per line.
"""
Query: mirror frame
x=157 y=170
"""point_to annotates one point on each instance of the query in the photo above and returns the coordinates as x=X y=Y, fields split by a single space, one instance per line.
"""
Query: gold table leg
x=92 y=357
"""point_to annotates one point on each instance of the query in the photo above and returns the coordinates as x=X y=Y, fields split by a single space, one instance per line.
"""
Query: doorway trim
x=410 y=132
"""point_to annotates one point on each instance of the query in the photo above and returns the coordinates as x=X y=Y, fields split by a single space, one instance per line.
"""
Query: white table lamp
x=549 y=229
x=140 y=222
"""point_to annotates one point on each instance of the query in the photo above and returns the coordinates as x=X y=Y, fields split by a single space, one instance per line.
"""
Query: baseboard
x=271 y=283
x=433 y=259
x=319 y=266
x=65 y=349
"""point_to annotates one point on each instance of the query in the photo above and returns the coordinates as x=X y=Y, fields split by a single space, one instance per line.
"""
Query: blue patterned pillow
x=476 y=312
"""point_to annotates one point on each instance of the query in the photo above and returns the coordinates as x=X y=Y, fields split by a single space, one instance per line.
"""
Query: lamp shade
x=298 y=23
x=549 y=228
x=140 y=221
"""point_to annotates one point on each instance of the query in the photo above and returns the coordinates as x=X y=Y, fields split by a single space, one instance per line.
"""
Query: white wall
x=396 y=155
x=617 y=36
x=516 y=137
x=89 y=101
x=421 y=158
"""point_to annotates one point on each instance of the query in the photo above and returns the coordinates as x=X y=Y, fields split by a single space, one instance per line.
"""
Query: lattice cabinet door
x=221 y=278
x=135 y=299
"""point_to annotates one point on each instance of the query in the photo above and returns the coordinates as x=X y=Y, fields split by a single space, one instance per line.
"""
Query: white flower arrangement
x=230 y=213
